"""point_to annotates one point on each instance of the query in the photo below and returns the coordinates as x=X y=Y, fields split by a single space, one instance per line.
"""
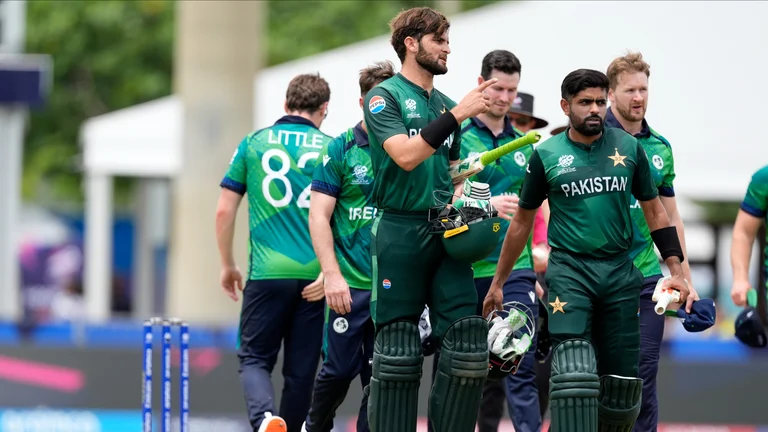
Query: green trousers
x=597 y=299
x=411 y=269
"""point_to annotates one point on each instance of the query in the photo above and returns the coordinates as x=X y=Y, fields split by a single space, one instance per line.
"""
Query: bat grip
x=661 y=305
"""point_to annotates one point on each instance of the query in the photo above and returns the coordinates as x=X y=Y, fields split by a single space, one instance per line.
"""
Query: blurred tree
x=107 y=56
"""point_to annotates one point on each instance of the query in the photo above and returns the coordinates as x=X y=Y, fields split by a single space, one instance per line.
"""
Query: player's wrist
x=459 y=114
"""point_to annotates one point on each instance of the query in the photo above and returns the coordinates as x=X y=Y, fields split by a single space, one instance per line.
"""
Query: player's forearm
x=677 y=221
x=408 y=153
x=322 y=242
x=741 y=251
x=225 y=234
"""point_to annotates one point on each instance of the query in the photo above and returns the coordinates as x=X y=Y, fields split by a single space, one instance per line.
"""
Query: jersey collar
x=361 y=137
x=293 y=119
x=612 y=121
x=415 y=87
x=508 y=130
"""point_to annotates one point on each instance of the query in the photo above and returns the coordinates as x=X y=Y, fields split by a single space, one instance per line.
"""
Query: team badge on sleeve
x=376 y=104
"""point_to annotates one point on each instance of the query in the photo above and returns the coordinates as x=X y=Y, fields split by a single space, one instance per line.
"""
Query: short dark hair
x=582 y=79
x=375 y=74
x=416 y=23
x=500 y=60
x=307 y=92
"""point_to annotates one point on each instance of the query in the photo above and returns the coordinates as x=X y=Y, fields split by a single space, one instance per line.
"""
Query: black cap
x=749 y=329
x=523 y=104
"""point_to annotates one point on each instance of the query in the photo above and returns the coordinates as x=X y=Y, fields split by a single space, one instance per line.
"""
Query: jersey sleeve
x=454 y=153
x=643 y=187
x=535 y=186
x=235 y=178
x=756 y=199
x=382 y=115
x=329 y=174
x=666 y=188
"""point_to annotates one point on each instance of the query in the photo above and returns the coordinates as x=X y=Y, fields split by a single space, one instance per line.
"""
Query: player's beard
x=429 y=64
x=626 y=112
x=585 y=129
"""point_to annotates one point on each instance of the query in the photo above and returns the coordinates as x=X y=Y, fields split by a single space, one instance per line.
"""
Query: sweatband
x=667 y=241
x=439 y=129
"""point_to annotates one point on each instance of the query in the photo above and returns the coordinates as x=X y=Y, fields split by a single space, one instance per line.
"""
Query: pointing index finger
x=486 y=84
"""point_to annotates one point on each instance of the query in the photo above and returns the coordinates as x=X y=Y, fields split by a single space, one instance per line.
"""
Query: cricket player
x=414 y=136
x=752 y=214
x=485 y=132
x=281 y=298
x=628 y=93
x=588 y=174
x=340 y=218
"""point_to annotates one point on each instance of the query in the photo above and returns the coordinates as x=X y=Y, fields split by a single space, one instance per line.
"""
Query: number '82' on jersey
x=274 y=167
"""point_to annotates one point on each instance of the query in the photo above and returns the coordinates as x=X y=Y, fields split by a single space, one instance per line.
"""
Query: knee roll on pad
x=574 y=387
x=620 y=399
x=460 y=376
x=394 y=388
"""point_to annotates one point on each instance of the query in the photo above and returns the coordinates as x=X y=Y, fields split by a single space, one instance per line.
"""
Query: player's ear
x=361 y=102
x=565 y=106
x=411 y=44
x=285 y=107
x=480 y=80
x=610 y=95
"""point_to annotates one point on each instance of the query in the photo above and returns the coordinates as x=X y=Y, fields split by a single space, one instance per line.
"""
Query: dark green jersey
x=346 y=175
x=505 y=176
x=756 y=199
x=398 y=106
x=588 y=187
x=662 y=165
x=274 y=166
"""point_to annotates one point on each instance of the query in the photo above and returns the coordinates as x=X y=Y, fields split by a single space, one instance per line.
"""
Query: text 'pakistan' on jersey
x=274 y=166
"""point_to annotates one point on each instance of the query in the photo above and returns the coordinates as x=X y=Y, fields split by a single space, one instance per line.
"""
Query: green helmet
x=470 y=229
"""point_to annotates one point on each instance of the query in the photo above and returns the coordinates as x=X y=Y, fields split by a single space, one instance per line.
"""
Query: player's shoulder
x=447 y=101
x=761 y=175
x=620 y=139
x=659 y=137
x=554 y=146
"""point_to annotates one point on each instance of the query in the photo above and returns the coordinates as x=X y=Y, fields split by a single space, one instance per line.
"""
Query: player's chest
x=580 y=173
x=657 y=160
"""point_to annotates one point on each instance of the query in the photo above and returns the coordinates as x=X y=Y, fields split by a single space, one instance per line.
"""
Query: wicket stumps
x=165 y=370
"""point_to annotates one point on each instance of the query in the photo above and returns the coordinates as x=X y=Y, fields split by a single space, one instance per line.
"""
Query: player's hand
x=493 y=300
x=231 y=281
x=692 y=297
x=739 y=292
x=474 y=103
x=506 y=205
x=678 y=283
x=539 y=290
x=314 y=291
x=540 y=257
x=337 y=294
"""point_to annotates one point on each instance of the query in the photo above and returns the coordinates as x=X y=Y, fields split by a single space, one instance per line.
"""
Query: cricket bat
x=473 y=165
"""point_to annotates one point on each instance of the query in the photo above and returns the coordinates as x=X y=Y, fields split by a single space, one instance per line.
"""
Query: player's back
x=279 y=163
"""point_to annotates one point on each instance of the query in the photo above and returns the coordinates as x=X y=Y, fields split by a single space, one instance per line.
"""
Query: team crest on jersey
x=340 y=325
x=376 y=104
x=565 y=161
x=519 y=158
x=657 y=161
x=360 y=172
x=411 y=105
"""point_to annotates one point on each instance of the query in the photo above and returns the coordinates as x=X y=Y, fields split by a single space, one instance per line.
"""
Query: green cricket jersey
x=662 y=165
x=398 y=106
x=588 y=187
x=346 y=175
x=505 y=177
x=756 y=199
x=274 y=166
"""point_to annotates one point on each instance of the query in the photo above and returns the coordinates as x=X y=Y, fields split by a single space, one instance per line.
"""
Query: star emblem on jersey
x=558 y=306
x=617 y=158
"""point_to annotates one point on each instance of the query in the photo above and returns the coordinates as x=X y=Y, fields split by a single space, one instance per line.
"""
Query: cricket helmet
x=469 y=228
x=510 y=334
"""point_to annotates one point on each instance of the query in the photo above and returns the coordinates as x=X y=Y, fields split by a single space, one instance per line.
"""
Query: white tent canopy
x=700 y=76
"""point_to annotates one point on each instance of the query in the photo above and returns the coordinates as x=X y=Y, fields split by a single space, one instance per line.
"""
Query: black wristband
x=439 y=129
x=668 y=242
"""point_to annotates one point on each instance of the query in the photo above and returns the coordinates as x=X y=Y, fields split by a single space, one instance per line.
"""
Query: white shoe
x=304 y=427
x=272 y=424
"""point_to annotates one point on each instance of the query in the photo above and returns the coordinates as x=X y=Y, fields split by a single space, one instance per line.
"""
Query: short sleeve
x=643 y=187
x=382 y=115
x=666 y=188
x=235 y=178
x=328 y=176
x=756 y=199
x=535 y=187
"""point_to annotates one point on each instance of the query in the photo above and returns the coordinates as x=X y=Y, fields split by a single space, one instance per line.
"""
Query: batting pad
x=393 y=398
x=619 y=406
x=574 y=387
x=460 y=376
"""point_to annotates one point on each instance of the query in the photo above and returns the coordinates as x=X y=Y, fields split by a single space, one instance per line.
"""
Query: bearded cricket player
x=414 y=138
x=588 y=174
x=340 y=217
x=484 y=132
x=281 y=298
x=628 y=93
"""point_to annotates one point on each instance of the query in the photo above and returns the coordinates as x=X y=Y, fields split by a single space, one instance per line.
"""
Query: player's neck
x=418 y=75
x=496 y=125
x=629 y=126
x=316 y=119
x=575 y=136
